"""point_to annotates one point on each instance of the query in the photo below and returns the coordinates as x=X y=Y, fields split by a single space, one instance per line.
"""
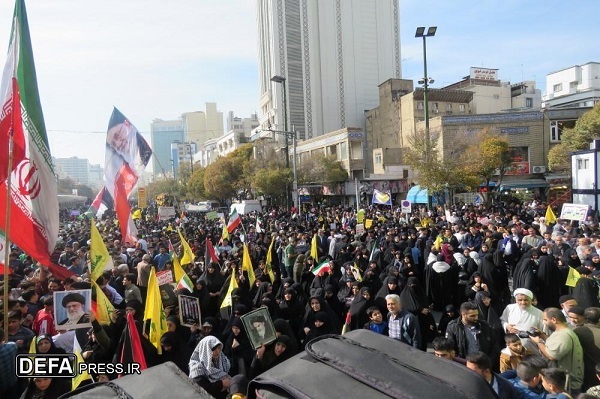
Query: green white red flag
x=33 y=224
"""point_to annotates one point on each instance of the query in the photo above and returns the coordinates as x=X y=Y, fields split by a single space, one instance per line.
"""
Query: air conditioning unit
x=539 y=169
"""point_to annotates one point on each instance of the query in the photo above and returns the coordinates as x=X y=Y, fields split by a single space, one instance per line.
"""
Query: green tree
x=195 y=184
x=489 y=156
x=586 y=129
x=272 y=181
x=224 y=177
x=559 y=158
x=321 y=169
x=168 y=186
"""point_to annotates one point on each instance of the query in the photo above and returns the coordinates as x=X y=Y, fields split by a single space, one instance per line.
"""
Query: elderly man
x=402 y=325
x=74 y=303
x=522 y=316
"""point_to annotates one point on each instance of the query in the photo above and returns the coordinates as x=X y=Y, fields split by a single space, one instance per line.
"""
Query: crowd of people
x=501 y=290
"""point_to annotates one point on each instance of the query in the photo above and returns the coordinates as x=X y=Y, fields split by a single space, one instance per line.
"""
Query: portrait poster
x=72 y=309
x=259 y=327
x=189 y=310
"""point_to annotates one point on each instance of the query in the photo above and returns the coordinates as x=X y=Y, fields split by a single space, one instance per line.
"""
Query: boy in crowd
x=513 y=354
x=376 y=323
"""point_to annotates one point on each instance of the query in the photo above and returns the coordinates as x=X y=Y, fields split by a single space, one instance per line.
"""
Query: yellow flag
x=247 y=265
x=225 y=234
x=102 y=307
x=227 y=301
x=137 y=214
x=438 y=242
x=368 y=223
x=269 y=261
x=314 y=249
x=550 y=216
x=154 y=312
x=177 y=269
x=100 y=259
x=572 y=277
x=79 y=378
x=188 y=255
x=33 y=346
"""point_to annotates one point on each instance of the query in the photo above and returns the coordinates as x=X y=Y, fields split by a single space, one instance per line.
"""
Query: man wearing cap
x=522 y=316
x=74 y=304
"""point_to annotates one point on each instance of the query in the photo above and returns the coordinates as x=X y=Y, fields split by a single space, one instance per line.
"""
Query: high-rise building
x=199 y=126
x=74 y=168
x=332 y=55
x=162 y=134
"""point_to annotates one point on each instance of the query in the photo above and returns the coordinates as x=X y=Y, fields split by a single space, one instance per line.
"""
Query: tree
x=224 y=177
x=586 y=129
x=195 y=184
x=321 y=169
x=272 y=181
x=559 y=158
x=489 y=156
x=438 y=169
x=168 y=186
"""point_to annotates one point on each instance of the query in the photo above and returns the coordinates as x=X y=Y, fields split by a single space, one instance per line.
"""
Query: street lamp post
x=281 y=79
x=426 y=81
x=293 y=135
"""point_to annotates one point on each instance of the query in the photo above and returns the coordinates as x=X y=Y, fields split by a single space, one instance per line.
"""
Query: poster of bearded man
x=72 y=309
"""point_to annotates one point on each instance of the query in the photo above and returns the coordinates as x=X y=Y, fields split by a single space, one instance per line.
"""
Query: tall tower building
x=333 y=54
x=162 y=134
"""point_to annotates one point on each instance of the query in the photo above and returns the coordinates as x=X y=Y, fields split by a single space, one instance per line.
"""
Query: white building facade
x=576 y=86
x=333 y=55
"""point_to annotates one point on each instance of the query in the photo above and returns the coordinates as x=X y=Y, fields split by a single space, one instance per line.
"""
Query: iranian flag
x=234 y=221
x=321 y=268
x=33 y=224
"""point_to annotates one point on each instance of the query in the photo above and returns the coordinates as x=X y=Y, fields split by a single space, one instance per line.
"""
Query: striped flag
x=183 y=280
x=234 y=221
x=32 y=193
x=211 y=254
x=321 y=268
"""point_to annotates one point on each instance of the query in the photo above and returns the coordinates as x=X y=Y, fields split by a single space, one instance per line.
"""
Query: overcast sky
x=158 y=59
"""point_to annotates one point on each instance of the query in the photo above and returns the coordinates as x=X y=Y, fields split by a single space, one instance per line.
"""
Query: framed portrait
x=189 y=310
x=259 y=327
x=71 y=309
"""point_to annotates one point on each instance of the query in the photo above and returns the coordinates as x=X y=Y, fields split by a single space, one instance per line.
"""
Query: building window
x=529 y=102
x=573 y=85
x=461 y=107
x=583 y=164
x=449 y=107
x=420 y=105
x=378 y=159
x=435 y=107
x=557 y=87
x=344 y=150
x=555 y=131
x=496 y=96
x=405 y=173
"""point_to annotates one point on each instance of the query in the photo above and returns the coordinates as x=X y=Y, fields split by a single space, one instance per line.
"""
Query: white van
x=246 y=206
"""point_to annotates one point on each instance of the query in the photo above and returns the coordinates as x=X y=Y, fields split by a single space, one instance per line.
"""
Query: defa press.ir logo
x=46 y=366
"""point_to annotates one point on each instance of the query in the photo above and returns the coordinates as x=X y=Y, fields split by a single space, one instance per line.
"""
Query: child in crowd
x=376 y=323
x=513 y=354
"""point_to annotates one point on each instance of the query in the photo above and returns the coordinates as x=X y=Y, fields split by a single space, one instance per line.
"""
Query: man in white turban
x=522 y=316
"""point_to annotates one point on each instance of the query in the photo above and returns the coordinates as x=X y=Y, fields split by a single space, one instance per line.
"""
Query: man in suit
x=74 y=303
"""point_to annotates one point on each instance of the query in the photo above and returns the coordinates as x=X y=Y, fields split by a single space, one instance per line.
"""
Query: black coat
x=488 y=343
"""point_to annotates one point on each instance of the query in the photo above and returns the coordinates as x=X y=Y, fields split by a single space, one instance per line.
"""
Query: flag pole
x=7 y=220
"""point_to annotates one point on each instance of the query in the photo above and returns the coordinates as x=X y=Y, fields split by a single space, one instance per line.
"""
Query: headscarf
x=201 y=362
x=413 y=297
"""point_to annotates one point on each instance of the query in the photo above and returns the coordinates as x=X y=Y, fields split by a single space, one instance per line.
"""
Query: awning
x=416 y=195
x=530 y=183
